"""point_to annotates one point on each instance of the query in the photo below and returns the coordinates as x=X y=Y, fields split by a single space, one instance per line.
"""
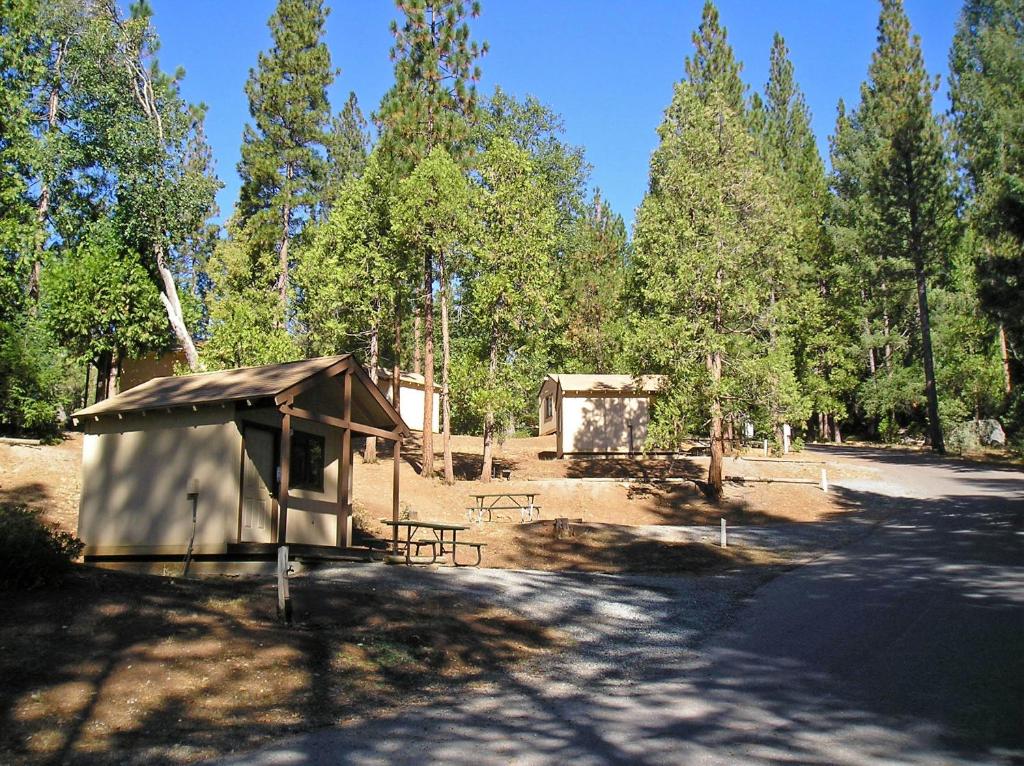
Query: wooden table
x=437 y=528
x=524 y=502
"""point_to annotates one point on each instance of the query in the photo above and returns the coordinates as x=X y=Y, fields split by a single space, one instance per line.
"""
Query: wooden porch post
x=397 y=459
x=344 y=537
x=282 y=490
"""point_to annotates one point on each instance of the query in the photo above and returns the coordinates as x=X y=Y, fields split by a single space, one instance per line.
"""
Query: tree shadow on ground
x=116 y=667
x=810 y=671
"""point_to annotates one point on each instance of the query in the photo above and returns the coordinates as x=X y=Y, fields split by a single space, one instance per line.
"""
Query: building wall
x=547 y=425
x=312 y=516
x=411 y=404
x=135 y=476
x=136 y=471
x=602 y=423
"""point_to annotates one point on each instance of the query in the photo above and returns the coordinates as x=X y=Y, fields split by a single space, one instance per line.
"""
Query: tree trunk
x=427 y=468
x=934 y=426
x=370 y=449
x=282 y=260
x=837 y=437
x=43 y=206
x=446 y=360
x=1008 y=381
x=492 y=371
x=102 y=363
x=417 y=362
x=145 y=97
x=714 y=363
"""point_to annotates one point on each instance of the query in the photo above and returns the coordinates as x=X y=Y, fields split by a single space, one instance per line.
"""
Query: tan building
x=412 y=396
x=596 y=413
x=257 y=456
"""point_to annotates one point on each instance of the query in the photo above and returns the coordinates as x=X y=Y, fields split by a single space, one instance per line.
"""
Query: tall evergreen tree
x=815 y=294
x=508 y=283
x=283 y=166
x=707 y=245
x=987 y=95
x=348 y=145
x=713 y=66
x=908 y=182
x=430 y=106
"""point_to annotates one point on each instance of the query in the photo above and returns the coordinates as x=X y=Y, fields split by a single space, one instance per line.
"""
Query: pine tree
x=283 y=167
x=348 y=145
x=816 y=297
x=432 y=216
x=509 y=282
x=706 y=246
x=908 y=183
x=987 y=95
x=713 y=66
x=430 y=106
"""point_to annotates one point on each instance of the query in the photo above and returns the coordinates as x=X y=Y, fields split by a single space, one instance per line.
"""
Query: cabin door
x=257 y=479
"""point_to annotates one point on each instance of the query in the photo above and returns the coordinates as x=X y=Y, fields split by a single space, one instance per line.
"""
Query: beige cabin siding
x=135 y=475
x=411 y=404
x=312 y=516
x=602 y=423
x=548 y=425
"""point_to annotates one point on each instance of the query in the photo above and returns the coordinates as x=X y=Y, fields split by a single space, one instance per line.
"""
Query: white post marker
x=824 y=480
x=284 y=599
x=725 y=541
x=766 y=448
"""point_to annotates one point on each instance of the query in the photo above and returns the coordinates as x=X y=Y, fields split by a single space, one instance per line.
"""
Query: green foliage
x=348 y=146
x=508 y=285
x=347 y=276
x=283 y=168
x=986 y=76
x=707 y=248
x=245 y=317
x=32 y=554
x=98 y=298
x=36 y=388
x=713 y=68
x=895 y=212
x=433 y=100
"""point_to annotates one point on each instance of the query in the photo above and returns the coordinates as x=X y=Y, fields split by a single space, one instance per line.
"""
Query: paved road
x=906 y=646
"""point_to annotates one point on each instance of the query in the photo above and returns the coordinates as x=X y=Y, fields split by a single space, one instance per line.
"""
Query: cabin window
x=307 y=464
x=549 y=407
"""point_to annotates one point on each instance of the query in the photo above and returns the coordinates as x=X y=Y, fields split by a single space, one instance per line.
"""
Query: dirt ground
x=618 y=494
x=161 y=671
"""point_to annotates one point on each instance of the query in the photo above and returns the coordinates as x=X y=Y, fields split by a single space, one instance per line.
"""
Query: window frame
x=304 y=473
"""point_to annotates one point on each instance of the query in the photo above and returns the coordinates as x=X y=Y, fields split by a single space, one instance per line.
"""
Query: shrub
x=33 y=554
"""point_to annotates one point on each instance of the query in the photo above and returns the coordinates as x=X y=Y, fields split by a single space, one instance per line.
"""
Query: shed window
x=549 y=407
x=307 y=464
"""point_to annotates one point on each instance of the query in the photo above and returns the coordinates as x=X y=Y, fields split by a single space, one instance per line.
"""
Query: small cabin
x=233 y=463
x=596 y=413
x=412 y=397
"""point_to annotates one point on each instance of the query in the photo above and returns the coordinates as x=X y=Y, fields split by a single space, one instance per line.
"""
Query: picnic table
x=439 y=542
x=487 y=503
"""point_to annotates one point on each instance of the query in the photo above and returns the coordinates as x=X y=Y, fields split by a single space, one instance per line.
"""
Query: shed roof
x=580 y=383
x=242 y=383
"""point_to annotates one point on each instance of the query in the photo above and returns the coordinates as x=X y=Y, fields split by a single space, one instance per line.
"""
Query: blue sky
x=606 y=67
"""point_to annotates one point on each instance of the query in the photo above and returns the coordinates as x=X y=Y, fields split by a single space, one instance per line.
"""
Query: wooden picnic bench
x=486 y=503
x=440 y=544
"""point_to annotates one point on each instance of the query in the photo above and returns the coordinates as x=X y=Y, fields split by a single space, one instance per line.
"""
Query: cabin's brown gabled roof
x=208 y=388
x=572 y=383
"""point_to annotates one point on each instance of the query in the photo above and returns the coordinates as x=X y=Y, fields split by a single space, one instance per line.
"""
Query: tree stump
x=562 y=528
